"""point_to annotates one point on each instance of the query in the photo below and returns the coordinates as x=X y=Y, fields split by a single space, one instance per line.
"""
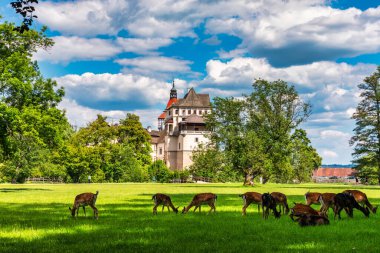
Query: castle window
x=160 y=151
x=183 y=112
x=176 y=112
x=196 y=139
x=188 y=111
x=195 y=111
x=196 y=129
x=169 y=113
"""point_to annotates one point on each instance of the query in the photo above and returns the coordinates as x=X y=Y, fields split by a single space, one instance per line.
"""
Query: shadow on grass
x=22 y=189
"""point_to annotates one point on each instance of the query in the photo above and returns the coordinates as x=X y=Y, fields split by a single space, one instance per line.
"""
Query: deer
x=362 y=199
x=327 y=201
x=281 y=200
x=164 y=200
x=347 y=202
x=300 y=209
x=249 y=198
x=85 y=199
x=268 y=202
x=312 y=198
x=312 y=220
x=200 y=199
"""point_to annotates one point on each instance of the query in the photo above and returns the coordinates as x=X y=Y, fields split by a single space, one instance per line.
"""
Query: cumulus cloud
x=80 y=116
x=75 y=48
x=114 y=91
x=142 y=45
x=155 y=65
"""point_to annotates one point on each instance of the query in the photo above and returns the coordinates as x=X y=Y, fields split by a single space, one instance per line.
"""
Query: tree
x=274 y=110
x=31 y=125
x=254 y=132
x=366 y=139
x=304 y=157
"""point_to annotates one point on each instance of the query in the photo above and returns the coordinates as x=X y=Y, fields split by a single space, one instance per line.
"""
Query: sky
x=115 y=57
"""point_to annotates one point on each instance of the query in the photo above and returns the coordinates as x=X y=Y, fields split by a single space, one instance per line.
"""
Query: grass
x=35 y=218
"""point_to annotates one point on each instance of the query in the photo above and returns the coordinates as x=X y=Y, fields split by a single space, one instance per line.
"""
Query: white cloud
x=327 y=134
x=152 y=64
x=142 y=45
x=329 y=154
x=75 y=48
x=80 y=116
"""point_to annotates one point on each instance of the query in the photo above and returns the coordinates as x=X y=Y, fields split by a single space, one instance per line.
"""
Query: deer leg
x=162 y=210
x=168 y=208
x=200 y=208
x=155 y=209
x=195 y=208
x=95 y=211
x=84 y=210
x=244 y=209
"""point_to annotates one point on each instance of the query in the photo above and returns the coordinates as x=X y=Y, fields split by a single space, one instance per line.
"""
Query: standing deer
x=327 y=201
x=200 y=199
x=163 y=199
x=312 y=198
x=347 y=202
x=85 y=199
x=268 y=202
x=249 y=198
x=362 y=199
x=281 y=200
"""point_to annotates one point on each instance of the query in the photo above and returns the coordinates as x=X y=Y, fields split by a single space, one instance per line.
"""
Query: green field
x=35 y=218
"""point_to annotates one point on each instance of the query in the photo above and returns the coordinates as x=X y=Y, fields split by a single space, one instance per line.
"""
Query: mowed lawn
x=35 y=218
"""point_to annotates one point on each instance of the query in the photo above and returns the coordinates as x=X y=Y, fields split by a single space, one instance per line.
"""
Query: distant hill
x=337 y=165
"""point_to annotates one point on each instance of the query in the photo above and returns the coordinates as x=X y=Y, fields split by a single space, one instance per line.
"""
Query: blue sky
x=117 y=56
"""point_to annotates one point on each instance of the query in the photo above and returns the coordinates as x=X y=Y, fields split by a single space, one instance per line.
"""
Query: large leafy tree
x=304 y=158
x=31 y=125
x=254 y=132
x=275 y=110
x=366 y=139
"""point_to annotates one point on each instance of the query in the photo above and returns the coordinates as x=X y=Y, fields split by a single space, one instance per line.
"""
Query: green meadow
x=35 y=218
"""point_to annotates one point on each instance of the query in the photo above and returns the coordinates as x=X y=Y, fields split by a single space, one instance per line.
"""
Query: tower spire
x=173 y=91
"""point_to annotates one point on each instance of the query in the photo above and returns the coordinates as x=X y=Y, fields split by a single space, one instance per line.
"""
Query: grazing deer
x=362 y=199
x=312 y=220
x=249 y=198
x=200 y=199
x=300 y=209
x=281 y=200
x=312 y=198
x=268 y=202
x=85 y=199
x=347 y=202
x=327 y=201
x=165 y=200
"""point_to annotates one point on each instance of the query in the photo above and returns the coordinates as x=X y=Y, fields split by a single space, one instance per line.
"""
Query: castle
x=181 y=128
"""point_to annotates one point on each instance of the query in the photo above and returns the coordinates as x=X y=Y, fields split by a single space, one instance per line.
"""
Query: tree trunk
x=248 y=179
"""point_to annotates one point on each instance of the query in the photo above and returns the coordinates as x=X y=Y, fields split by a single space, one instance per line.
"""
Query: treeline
x=258 y=135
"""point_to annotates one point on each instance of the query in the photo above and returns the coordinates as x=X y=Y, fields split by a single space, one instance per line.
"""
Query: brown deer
x=300 y=209
x=85 y=199
x=362 y=199
x=347 y=202
x=249 y=198
x=327 y=201
x=269 y=203
x=164 y=200
x=200 y=199
x=281 y=200
x=312 y=220
x=312 y=198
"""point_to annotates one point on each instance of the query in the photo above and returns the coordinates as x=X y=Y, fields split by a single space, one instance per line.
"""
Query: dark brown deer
x=281 y=200
x=347 y=202
x=362 y=199
x=300 y=209
x=312 y=198
x=327 y=201
x=201 y=199
x=269 y=203
x=85 y=199
x=312 y=220
x=249 y=198
x=164 y=200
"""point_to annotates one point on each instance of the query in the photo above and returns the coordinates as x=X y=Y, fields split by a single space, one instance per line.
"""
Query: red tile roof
x=162 y=115
x=170 y=102
x=330 y=172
